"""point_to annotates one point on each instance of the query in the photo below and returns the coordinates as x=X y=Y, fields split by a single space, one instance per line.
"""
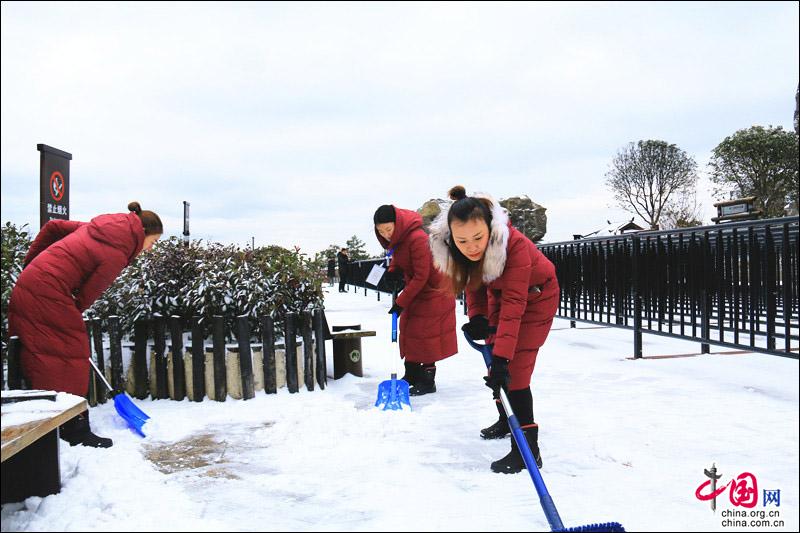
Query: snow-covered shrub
x=15 y=244
x=196 y=280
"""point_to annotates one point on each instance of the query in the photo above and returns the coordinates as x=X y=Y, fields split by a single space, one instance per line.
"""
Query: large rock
x=430 y=210
x=526 y=215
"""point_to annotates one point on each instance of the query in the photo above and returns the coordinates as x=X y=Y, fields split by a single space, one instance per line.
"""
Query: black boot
x=522 y=404
x=513 y=463
x=77 y=431
x=499 y=429
x=425 y=383
x=413 y=370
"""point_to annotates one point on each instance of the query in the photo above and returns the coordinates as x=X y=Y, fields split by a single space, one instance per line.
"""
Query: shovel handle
x=102 y=377
x=545 y=499
x=394 y=327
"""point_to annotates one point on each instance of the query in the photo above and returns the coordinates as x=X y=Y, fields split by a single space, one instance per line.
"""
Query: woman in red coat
x=427 y=314
x=69 y=265
x=512 y=297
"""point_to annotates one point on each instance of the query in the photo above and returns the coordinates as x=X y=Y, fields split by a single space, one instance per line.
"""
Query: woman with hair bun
x=512 y=296
x=68 y=266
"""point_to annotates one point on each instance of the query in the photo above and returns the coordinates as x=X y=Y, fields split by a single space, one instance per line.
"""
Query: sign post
x=185 y=223
x=53 y=184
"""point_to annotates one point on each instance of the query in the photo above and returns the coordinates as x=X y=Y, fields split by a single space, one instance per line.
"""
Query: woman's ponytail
x=151 y=221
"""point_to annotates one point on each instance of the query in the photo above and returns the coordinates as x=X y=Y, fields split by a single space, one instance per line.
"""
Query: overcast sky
x=293 y=122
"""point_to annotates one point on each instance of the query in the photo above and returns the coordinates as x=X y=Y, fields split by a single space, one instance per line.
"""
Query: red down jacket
x=69 y=265
x=428 y=320
x=521 y=303
x=519 y=294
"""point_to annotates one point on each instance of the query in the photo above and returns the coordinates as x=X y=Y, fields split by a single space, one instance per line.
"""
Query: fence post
x=140 y=378
x=268 y=351
x=15 y=380
x=319 y=334
x=705 y=294
x=160 y=356
x=220 y=372
x=97 y=339
x=786 y=273
x=91 y=394
x=771 y=287
x=178 y=372
x=115 y=352
x=290 y=343
x=637 y=298
x=308 y=351
x=245 y=358
x=198 y=360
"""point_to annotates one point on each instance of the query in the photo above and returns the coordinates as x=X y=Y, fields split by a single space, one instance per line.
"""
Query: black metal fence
x=733 y=285
x=358 y=271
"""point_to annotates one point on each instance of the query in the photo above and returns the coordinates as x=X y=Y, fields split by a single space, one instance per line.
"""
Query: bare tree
x=643 y=176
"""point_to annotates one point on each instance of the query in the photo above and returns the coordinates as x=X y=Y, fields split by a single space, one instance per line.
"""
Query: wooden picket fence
x=197 y=371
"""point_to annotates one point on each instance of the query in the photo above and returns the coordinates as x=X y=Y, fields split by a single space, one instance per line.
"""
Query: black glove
x=477 y=328
x=498 y=375
x=396 y=309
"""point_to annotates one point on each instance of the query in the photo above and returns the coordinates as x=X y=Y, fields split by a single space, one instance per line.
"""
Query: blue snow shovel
x=546 y=501
x=393 y=393
x=125 y=407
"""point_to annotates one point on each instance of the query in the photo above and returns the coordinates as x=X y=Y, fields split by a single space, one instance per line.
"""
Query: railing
x=358 y=272
x=733 y=285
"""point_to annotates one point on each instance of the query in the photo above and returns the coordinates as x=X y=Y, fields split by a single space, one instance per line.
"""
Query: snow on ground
x=621 y=440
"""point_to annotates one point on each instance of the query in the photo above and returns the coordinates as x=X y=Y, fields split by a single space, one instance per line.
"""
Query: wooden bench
x=29 y=421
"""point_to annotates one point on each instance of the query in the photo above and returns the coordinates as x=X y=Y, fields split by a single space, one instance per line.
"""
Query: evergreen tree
x=357 y=249
x=760 y=162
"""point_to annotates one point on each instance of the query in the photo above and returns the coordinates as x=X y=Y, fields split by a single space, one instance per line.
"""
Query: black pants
x=341 y=283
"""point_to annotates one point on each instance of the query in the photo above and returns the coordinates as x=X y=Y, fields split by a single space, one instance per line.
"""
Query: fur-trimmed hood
x=494 y=261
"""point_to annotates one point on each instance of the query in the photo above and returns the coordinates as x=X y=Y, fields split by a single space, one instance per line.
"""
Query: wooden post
x=160 y=356
x=97 y=337
x=290 y=342
x=319 y=334
x=14 y=367
x=268 y=352
x=220 y=372
x=308 y=351
x=91 y=393
x=178 y=372
x=245 y=358
x=115 y=352
x=140 y=331
x=198 y=360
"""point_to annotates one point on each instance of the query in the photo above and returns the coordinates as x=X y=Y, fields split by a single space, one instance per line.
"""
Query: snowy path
x=621 y=440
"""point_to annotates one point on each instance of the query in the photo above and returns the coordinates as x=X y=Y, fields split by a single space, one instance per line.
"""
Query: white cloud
x=293 y=122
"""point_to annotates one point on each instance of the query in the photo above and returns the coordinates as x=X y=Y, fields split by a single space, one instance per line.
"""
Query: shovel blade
x=134 y=416
x=393 y=394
